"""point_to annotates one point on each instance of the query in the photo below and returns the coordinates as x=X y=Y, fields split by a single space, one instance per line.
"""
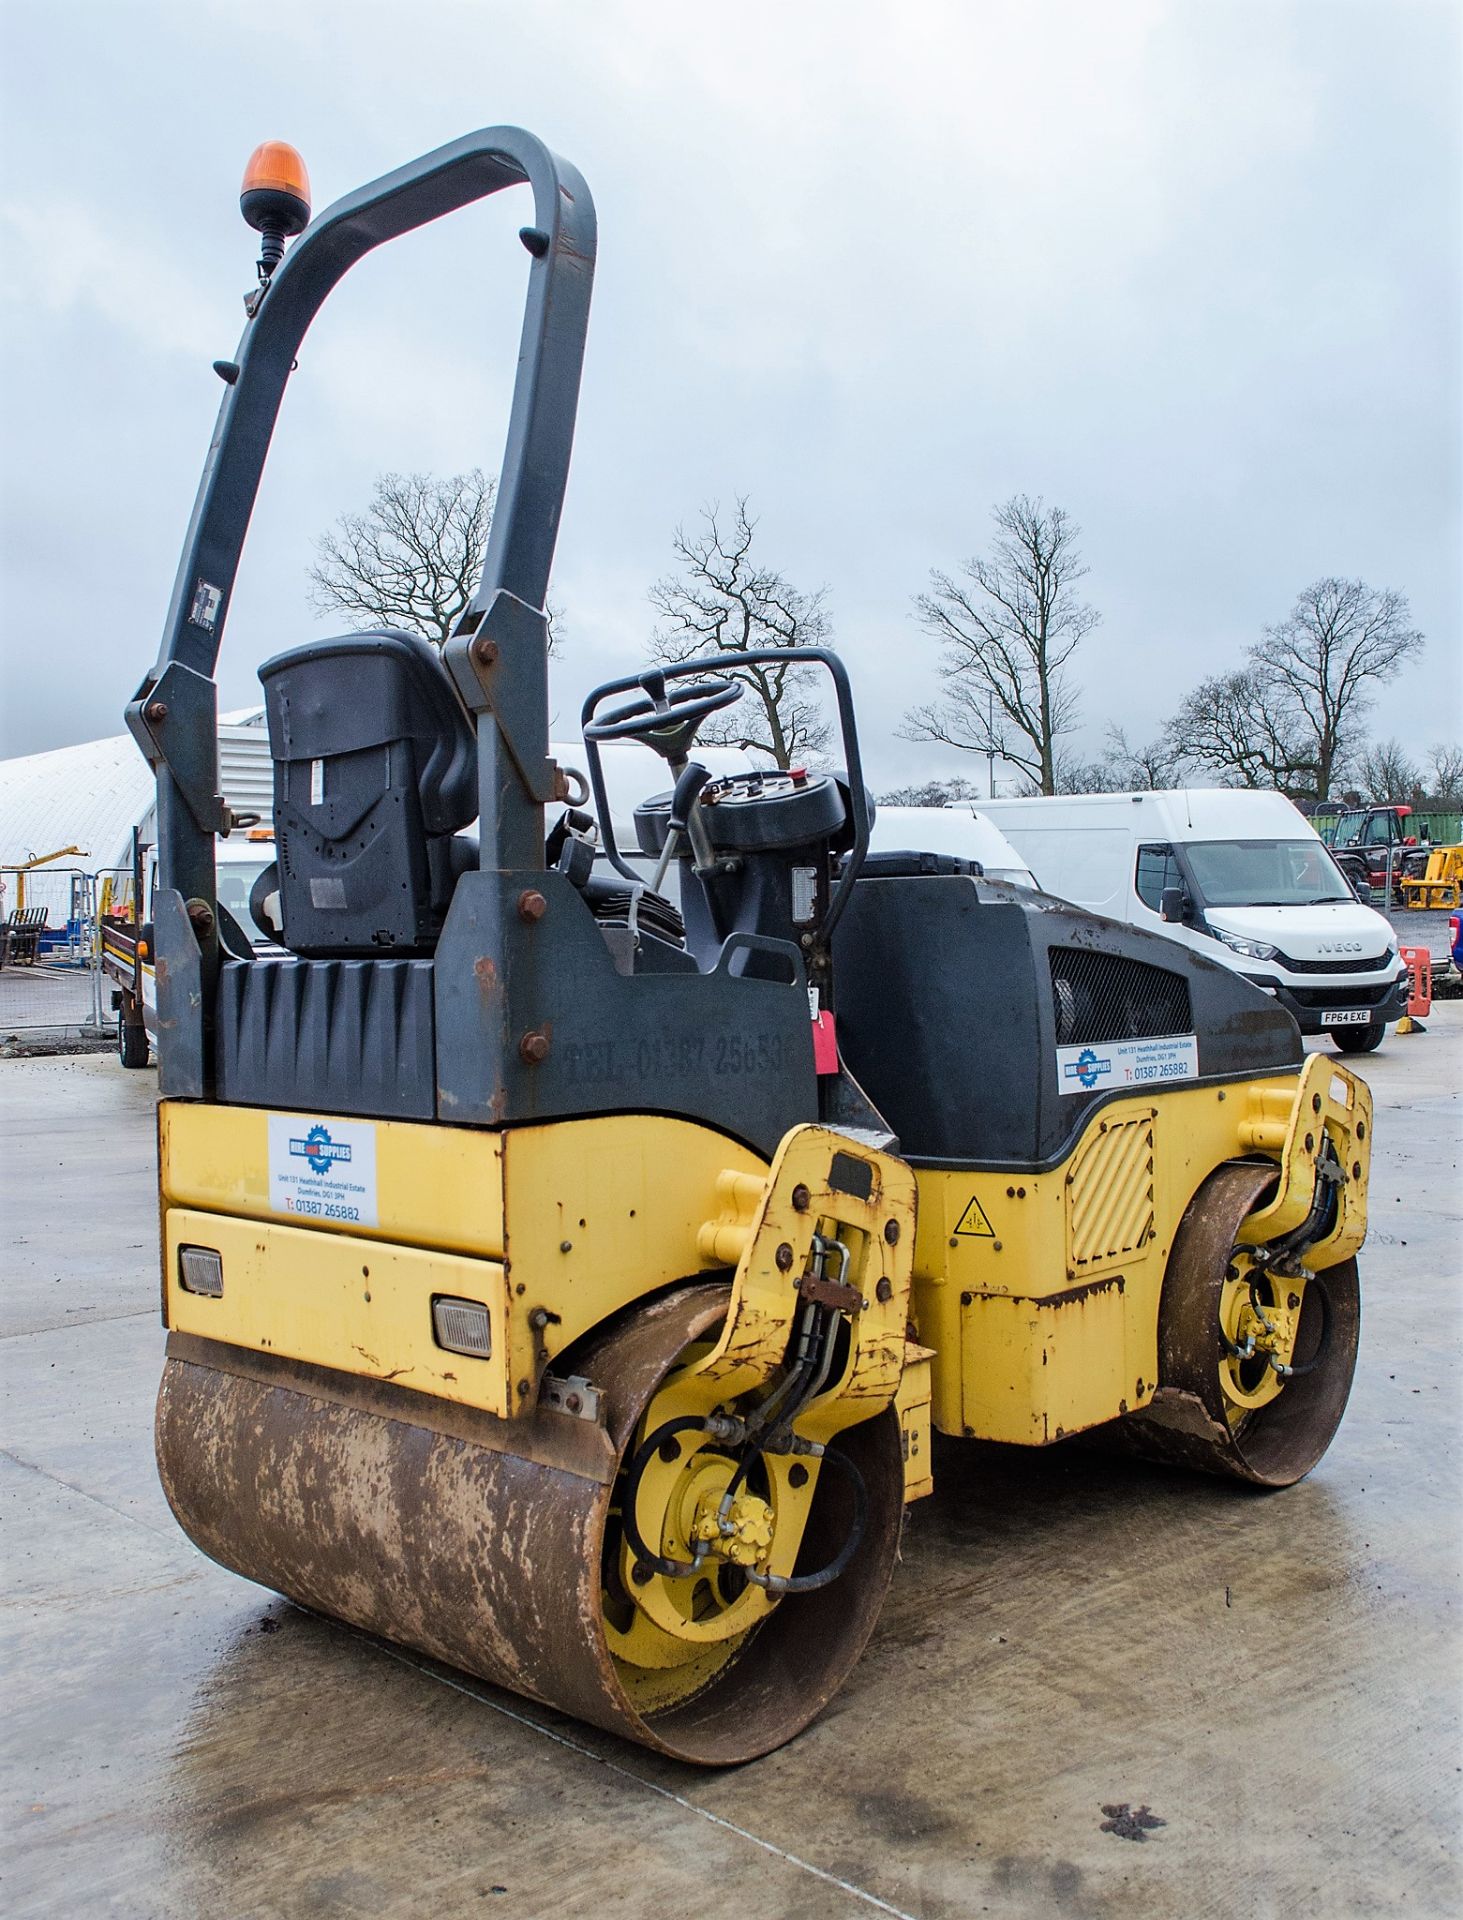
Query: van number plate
x=1357 y=1019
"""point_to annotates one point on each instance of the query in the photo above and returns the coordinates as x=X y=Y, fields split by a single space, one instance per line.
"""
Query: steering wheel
x=666 y=721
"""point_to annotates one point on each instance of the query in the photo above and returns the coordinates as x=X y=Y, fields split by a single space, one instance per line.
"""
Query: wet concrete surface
x=1276 y=1679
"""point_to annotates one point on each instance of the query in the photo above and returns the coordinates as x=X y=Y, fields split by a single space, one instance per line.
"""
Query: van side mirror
x=1173 y=904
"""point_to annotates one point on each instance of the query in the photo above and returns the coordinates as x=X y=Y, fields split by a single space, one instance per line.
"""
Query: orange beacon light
x=275 y=199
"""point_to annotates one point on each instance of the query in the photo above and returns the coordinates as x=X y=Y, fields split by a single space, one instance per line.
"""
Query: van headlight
x=1251 y=949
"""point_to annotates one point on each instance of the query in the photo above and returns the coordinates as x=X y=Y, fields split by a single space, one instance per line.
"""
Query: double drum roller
x=570 y=1247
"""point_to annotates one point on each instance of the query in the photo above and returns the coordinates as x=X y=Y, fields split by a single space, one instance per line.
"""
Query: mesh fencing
x=49 y=962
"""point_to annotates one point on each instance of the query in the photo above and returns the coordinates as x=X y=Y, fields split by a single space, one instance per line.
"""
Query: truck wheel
x=1359 y=1039
x=131 y=1042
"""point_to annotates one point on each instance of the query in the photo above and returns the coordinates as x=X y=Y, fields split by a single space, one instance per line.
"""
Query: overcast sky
x=1190 y=270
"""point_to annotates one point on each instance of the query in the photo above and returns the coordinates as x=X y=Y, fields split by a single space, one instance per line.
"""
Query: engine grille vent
x=1103 y=996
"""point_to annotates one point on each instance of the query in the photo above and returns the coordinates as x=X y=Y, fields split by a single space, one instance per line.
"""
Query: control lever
x=684 y=820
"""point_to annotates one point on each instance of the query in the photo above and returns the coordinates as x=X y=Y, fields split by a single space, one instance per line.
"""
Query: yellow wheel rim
x=670 y=1635
x=1257 y=1323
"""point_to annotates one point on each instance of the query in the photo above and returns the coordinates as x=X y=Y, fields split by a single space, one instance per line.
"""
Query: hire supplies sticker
x=322 y=1169
x=1127 y=1063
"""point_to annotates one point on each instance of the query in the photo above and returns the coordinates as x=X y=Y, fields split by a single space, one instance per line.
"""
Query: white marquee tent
x=91 y=796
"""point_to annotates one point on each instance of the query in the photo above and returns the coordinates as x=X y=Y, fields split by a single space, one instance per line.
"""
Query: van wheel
x=131 y=1042
x=1359 y=1039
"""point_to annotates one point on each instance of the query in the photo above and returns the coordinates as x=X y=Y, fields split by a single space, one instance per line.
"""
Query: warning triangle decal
x=973 y=1223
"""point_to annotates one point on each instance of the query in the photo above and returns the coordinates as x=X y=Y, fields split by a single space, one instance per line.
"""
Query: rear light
x=462 y=1326
x=201 y=1270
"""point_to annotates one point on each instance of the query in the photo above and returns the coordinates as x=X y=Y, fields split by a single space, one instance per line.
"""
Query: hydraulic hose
x=1323 y=1342
x=825 y=1576
x=672 y=1569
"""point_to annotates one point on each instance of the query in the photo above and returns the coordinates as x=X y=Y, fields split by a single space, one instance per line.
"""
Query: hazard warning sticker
x=973 y=1223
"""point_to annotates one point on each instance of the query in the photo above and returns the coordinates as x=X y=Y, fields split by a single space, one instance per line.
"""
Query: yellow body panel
x=584 y=1215
x=912 y=1404
x=599 y=1213
x=438 y=1186
x=1039 y=1291
x=336 y=1301
x=1037 y=1294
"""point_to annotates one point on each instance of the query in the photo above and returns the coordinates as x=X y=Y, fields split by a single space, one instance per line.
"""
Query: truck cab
x=124 y=931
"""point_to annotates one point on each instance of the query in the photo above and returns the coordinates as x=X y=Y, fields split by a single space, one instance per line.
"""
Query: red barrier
x=1419 y=964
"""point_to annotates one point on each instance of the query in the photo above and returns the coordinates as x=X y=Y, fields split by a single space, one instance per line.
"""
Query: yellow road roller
x=571 y=1239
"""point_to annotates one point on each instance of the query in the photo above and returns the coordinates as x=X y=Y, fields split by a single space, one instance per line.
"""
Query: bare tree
x=1288 y=718
x=721 y=600
x=1230 y=728
x=1321 y=662
x=1008 y=629
x=934 y=793
x=1445 y=766
x=413 y=559
x=1143 y=769
x=1386 y=773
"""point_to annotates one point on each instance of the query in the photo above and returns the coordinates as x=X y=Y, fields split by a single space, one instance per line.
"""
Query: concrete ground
x=1276 y=1678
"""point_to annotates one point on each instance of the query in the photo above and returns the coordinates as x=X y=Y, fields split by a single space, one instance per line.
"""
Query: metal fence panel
x=49 y=974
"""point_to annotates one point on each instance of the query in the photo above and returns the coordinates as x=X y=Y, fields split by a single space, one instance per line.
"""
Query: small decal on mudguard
x=1127 y=1063
x=322 y=1170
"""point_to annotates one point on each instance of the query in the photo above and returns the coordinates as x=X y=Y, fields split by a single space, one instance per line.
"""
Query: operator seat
x=375 y=771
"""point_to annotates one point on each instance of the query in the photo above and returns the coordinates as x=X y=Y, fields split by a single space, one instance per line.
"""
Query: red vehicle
x=1374 y=845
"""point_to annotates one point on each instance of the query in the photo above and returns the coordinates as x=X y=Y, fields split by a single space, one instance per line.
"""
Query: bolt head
x=484 y=651
x=532 y=905
x=891 y=1232
x=801 y=1199
x=784 y=1257
x=533 y=1049
x=884 y=1292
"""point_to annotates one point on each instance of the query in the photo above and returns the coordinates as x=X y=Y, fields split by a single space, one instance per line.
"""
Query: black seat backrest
x=375 y=769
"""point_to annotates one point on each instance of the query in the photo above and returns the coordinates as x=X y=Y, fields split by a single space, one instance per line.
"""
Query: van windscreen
x=1265 y=873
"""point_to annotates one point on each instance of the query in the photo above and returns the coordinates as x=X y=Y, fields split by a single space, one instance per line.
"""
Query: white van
x=957 y=830
x=632 y=772
x=1237 y=875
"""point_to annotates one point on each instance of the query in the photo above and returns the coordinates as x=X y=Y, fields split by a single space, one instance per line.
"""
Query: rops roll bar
x=174 y=714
